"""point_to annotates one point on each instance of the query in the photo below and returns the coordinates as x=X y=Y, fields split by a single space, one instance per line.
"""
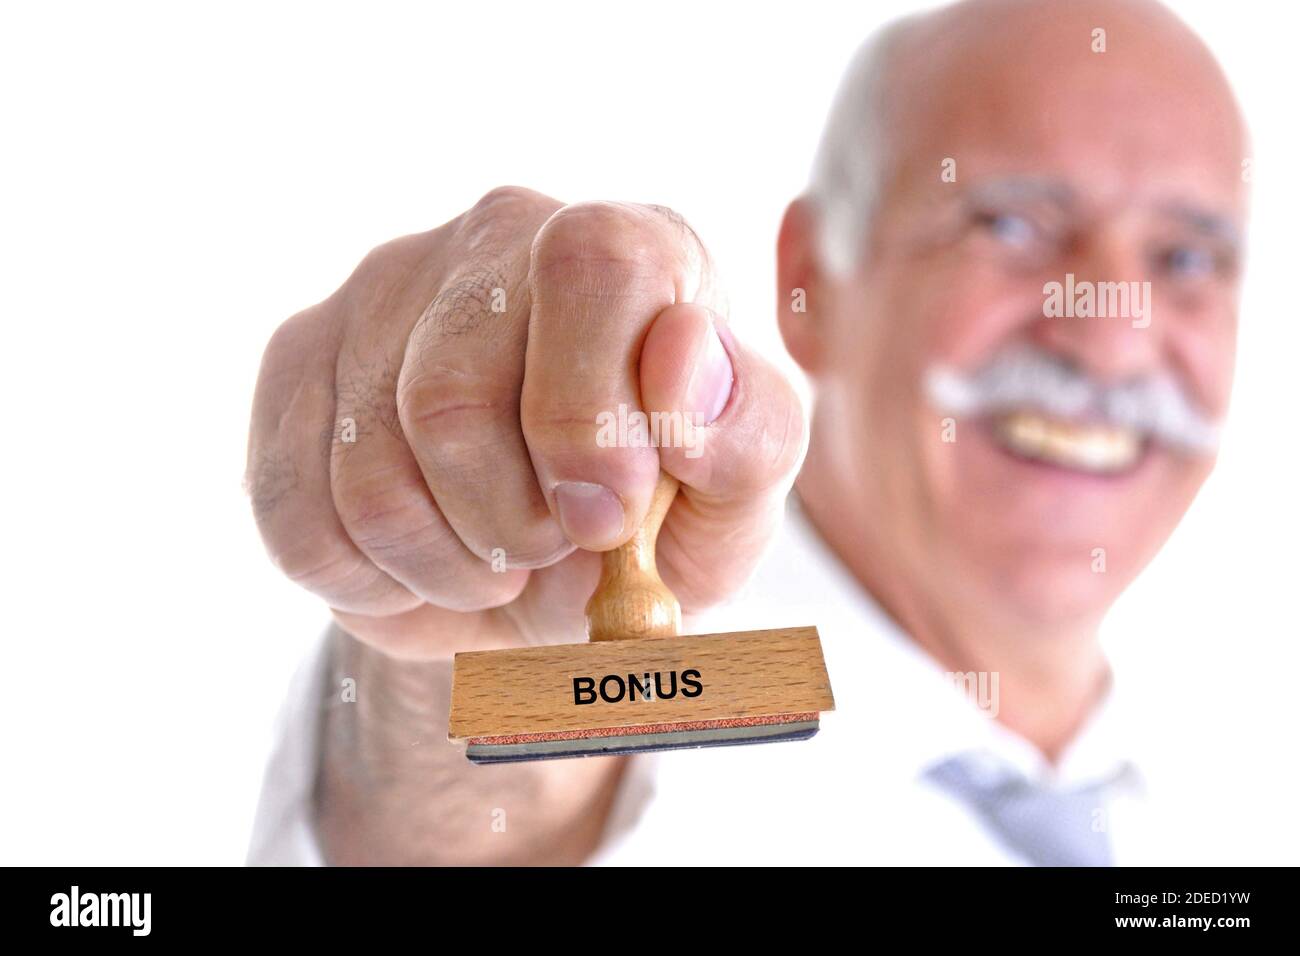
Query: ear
x=799 y=285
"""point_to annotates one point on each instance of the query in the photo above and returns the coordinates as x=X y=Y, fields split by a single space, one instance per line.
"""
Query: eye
x=1012 y=230
x=1192 y=262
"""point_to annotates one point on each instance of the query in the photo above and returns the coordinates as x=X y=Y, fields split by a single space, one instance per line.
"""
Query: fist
x=438 y=449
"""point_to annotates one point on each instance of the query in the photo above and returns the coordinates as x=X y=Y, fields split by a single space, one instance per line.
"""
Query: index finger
x=600 y=274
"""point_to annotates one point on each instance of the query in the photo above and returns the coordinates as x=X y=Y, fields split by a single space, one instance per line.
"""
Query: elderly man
x=1012 y=283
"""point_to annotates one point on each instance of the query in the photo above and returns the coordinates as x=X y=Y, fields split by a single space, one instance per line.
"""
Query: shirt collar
x=906 y=709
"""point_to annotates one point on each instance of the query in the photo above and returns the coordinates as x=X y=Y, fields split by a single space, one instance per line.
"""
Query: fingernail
x=710 y=384
x=591 y=516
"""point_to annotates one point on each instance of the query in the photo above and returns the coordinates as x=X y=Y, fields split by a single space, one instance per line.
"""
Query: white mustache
x=1154 y=405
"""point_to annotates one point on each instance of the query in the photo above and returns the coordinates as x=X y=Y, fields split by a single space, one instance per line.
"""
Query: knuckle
x=320 y=562
x=387 y=268
x=291 y=341
x=366 y=397
x=501 y=215
x=465 y=303
x=375 y=267
x=566 y=435
x=552 y=421
x=452 y=410
x=508 y=200
x=380 y=514
x=614 y=239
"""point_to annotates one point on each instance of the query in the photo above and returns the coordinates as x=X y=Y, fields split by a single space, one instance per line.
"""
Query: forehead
x=1021 y=91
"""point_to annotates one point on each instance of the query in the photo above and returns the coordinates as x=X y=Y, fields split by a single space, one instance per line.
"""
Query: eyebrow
x=1203 y=220
x=1037 y=188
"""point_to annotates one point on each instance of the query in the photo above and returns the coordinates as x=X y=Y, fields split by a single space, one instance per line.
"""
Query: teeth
x=1101 y=449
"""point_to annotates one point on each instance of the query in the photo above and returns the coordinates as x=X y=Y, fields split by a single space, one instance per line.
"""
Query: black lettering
x=584 y=690
x=659 y=686
x=637 y=689
x=690 y=679
x=618 y=681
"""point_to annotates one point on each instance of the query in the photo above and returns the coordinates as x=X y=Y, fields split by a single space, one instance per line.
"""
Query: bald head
x=1037 y=79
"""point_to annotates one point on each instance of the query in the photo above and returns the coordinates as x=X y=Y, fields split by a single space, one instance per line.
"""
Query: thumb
x=742 y=441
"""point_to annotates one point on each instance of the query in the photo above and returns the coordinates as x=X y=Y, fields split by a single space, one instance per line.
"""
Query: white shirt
x=853 y=794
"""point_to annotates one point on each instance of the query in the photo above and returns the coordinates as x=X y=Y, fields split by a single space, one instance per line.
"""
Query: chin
x=1054 y=539
x=1044 y=587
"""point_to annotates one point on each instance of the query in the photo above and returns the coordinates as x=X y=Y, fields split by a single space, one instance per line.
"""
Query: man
x=1013 y=285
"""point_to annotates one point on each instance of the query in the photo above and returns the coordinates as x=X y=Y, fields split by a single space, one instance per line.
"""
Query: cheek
x=976 y=313
x=881 y=350
x=1206 y=354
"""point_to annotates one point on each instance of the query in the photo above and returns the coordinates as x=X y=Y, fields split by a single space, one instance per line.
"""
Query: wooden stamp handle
x=631 y=601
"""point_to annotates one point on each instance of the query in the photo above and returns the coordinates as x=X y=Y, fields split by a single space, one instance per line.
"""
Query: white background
x=177 y=179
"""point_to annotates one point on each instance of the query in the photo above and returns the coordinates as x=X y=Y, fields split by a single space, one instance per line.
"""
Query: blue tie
x=1046 y=826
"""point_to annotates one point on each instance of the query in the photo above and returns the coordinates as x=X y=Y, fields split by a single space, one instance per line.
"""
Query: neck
x=1050 y=675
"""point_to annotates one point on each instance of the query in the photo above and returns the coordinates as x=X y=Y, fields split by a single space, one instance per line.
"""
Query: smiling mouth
x=1093 y=448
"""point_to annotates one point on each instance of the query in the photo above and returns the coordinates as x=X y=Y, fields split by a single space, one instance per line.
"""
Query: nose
x=1105 y=276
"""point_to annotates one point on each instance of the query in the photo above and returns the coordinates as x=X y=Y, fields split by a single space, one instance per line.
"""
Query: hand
x=424 y=452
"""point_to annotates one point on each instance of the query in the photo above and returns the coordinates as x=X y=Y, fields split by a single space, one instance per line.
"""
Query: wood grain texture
x=744 y=674
x=631 y=601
